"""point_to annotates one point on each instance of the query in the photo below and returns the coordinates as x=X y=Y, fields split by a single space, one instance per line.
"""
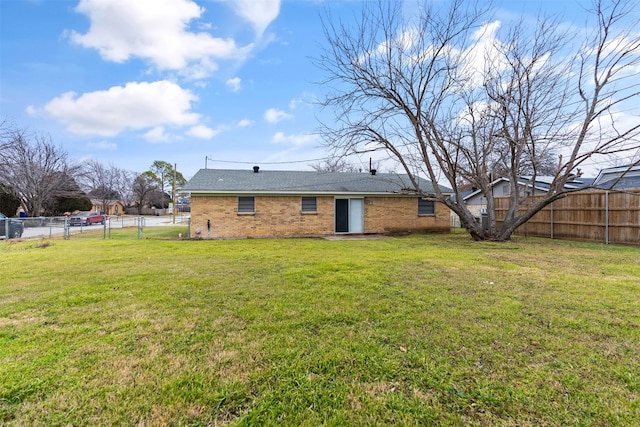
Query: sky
x=222 y=84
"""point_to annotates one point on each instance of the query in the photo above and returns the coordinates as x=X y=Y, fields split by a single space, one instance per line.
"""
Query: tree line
x=38 y=176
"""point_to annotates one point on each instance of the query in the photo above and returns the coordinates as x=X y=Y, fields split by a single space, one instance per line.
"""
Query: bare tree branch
x=105 y=183
x=34 y=168
x=452 y=94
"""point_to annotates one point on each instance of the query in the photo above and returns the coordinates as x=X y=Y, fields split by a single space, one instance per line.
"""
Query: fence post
x=66 y=228
x=606 y=217
x=552 y=219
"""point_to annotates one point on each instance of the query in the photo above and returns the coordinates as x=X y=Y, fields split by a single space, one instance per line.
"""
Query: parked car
x=87 y=218
x=15 y=227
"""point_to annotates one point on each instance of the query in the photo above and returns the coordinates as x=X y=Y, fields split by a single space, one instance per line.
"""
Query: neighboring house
x=114 y=207
x=618 y=178
x=245 y=203
x=476 y=201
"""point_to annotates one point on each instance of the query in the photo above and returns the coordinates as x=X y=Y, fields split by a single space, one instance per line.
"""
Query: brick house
x=246 y=203
x=114 y=207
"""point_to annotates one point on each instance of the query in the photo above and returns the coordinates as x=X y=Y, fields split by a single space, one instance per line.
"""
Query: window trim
x=246 y=212
x=302 y=205
x=424 y=204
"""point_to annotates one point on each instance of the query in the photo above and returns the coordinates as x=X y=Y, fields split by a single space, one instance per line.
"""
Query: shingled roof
x=619 y=178
x=207 y=181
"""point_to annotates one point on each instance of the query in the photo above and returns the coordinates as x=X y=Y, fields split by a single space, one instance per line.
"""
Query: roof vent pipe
x=373 y=171
x=256 y=169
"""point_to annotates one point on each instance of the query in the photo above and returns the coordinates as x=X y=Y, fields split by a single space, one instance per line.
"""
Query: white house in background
x=618 y=178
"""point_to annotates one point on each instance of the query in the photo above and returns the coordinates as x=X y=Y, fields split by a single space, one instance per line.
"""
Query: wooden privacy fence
x=597 y=216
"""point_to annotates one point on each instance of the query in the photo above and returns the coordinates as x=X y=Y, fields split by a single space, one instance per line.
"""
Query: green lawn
x=418 y=330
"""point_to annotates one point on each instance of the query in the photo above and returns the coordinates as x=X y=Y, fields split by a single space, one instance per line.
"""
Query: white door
x=356 y=216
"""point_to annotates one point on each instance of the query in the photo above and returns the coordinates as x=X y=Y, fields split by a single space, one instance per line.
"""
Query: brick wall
x=400 y=215
x=282 y=216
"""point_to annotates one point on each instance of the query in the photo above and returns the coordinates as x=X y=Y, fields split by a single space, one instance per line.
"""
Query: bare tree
x=127 y=196
x=448 y=95
x=144 y=187
x=7 y=132
x=66 y=197
x=105 y=183
x=33 y=168
x=334 y=164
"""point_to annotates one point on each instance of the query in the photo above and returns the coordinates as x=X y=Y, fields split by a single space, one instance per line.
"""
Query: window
x=246 y=205
x=309 y=204
x=426 y=207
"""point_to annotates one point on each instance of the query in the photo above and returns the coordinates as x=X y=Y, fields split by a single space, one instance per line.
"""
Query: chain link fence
x=115 y=227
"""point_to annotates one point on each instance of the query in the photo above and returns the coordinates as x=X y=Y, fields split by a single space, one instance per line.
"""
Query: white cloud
x=297 y=140
x=244 y=123
x=235 y=84
x=485 y=48
x=134 y=106
x=615 y=48
x=31 y=110
x=104 y=145
x=260 y=13
x=202 y=132
x=306 y=99
x=293 y=104
x=155 y=30
x=274 y=116
x=157 y=134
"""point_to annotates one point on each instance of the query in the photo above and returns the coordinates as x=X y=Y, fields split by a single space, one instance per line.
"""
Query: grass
x=129 y=232
x=418 y=330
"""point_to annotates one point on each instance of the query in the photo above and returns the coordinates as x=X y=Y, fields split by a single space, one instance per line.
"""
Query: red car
x=87 y=218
